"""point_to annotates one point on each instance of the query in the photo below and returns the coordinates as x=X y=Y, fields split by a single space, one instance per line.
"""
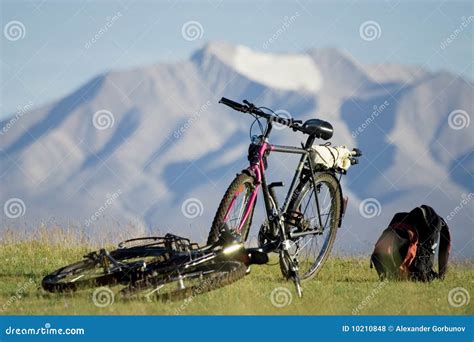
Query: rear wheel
x=312 y=250
x=98 y=269
x=231 y=210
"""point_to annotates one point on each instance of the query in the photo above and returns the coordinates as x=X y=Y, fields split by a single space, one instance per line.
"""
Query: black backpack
x=406 y=249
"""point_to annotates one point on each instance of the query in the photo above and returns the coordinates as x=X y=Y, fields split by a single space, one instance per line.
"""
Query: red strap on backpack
x=411 y=252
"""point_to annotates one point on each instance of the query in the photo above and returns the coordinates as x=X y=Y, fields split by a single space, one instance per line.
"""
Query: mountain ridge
x=171 y=141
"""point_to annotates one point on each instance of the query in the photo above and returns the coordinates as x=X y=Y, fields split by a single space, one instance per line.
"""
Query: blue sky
x=50 y=59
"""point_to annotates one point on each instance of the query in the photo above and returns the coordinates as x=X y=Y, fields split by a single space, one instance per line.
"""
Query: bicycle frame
x=257 y=170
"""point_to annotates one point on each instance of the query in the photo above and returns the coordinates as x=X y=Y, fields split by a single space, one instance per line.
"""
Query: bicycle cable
x=257 y=119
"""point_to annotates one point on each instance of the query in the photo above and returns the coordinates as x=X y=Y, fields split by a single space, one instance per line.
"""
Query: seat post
x=309 y=141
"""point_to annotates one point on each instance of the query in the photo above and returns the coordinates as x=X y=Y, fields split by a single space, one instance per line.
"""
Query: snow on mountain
x=167 y=140
x=383 y=73
x=287 y=72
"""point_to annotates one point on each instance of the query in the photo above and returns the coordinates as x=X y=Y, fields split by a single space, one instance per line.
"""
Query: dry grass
x=343 y=285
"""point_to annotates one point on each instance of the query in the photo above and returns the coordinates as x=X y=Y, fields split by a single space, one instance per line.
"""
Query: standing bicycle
x=302 y=230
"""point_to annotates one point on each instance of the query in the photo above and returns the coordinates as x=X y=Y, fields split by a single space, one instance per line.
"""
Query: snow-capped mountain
x=151 y=146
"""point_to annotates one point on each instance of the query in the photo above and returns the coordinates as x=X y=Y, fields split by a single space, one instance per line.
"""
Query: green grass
x=343 y=285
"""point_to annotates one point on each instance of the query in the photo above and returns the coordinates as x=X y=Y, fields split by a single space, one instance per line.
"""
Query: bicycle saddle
x=319 y=128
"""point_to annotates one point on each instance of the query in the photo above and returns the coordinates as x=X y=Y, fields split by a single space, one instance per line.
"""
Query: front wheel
x=233 y=208
x=312 y=250
x=187 y=284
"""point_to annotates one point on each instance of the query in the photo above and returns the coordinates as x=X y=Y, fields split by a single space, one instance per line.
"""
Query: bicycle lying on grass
x=301 y=231
x=171 y=263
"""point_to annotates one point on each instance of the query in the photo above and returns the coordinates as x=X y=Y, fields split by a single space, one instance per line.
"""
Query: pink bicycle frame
x=257 y=168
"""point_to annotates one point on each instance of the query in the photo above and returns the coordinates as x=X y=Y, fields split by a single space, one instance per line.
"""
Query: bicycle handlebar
x=248 y=107
x=234 y=105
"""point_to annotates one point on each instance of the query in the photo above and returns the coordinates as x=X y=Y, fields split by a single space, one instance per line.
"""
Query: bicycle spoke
x=310 y=248
x=237 y=210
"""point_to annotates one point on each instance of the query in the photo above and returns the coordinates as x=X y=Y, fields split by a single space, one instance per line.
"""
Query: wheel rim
x=81 y=274
x=89 y=271
x=310 y=250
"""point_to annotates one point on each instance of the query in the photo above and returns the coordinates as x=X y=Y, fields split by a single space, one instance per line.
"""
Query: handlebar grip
x=283 y=121
x=356 y=152
x=234 y=105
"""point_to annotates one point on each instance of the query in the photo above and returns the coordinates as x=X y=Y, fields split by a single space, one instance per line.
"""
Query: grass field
x=345 y=286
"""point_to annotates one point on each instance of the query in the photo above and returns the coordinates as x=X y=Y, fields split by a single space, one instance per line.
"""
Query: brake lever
x=250 y=106
x=296 y=124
